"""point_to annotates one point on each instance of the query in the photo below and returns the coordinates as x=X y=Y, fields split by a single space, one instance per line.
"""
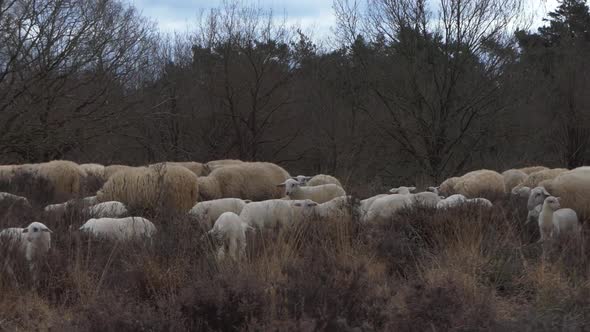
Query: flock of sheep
x=230 y=197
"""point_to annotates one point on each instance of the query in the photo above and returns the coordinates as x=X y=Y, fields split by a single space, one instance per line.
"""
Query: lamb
x=215 y=164
x=451 y=201
x=481 y=183
x=230 y=230
x=385 y=208
x=112 y=209
x=402 y=190
x=64 y=176
x=537 y=197
x=14 y=199
x=302 y=179
x=554 y=221
x=365 y=204
x=256 y=181
x=573 y=188
x=119 y=229
x=271 y=213
x=533 y=215
x=423 y=199
x=207 y=212
x=480 y=201
x=318 y=194
x=532 y=169
x=32 y=242
x=512 y=178
x=322 y=179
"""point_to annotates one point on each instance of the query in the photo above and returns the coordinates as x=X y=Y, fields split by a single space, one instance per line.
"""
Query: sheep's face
x=302 y=179
x=537 y=197
x=35 y=231
x=433 y=190
x=523 y=191
x=552 y=202
x=402 y=190
x=290 y=186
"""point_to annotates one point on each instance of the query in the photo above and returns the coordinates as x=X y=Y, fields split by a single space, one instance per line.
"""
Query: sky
x=314 y=16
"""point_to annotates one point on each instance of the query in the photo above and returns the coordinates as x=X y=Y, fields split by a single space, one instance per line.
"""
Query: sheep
x=424 y=198
x=255 y=181
x=318 y=194
x=535 y=178
x=95 y=170
x=480 y=201
x=321 y=179
x=521 y=191
x=554 y=220
x=512 y=178
x=112 y=209
x=32 y=242
x=193 y=166
x=302 y=179
x=207 y=212
x=119 y=229
x=573 y=188
x=537 y=197
x=451 y=201
x=481 y=183
x=339 y=208
x=14 y=199
x=113 y=169
x=533 y=215
x=402 y=190
x=384 y=208
x=170 y=186
x=64 y=176
x=271 y=213
x=230 y=230
x=532 y=169
x=365 y=204
x=215 y=164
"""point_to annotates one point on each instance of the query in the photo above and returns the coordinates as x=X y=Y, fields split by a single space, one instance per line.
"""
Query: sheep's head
x=433 y=190
x=537 y=197
x=302 y=179
x=290 y=186
x=35 y=231
x=521 y=191
x=552 y=202
x=402 y=190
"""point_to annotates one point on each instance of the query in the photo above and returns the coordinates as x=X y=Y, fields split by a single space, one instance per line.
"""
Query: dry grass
x=460 y=270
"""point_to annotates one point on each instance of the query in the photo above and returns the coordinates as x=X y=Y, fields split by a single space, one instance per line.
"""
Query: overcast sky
x=313 y=15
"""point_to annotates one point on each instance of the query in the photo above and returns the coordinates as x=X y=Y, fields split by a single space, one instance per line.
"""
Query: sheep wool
x=535 y=178
x=321 y=179
x=119 y=229
x=573 y=190
x=112 y=169
x=230 y=230
x=447 y=187
x=481 y=183
x=64 y=176
x=532 y=169
x=215 y=164
x=512 y=178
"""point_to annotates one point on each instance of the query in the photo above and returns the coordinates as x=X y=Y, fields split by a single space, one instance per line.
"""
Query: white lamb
x=537 y=197
x=302 y=179
x=484 y=202
x=451 y=201
x=271 y=213
x=554 y=221
x=427 y=198
x=522 y=191
x=402 y=190
x=111 y=209
x=119 y=228
x=33 y=242
x=385 y=208
x=207 y=212
x=230 y=230
x=339 y=208
x=318 y=194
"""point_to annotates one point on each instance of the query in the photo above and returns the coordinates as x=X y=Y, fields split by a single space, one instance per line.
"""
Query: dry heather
x=423 y=271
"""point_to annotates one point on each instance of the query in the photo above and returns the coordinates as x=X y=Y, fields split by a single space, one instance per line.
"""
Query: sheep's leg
x=233 y=248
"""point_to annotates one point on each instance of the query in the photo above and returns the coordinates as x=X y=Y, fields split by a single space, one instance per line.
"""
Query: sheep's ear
x=47 y=230
x=545 y=191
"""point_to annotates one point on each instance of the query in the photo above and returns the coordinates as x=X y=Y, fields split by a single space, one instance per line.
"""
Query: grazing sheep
x=207 y=212
x=215 y=164
x=119 y=229
x=554 y=220
x=256 y=181
x=512 y=178
x=318 y=194
x=532 y=169
x=533 y=215
x=170 y=186
x=573 y=189
x=365 y=204
x=402 y=190
x=451 y=201
x=230 y=230
x=111 y=170
x=321 y=179
x=447 y=187
x=385 y=208
x=426 y=199
x=112 y=209
x=95 y=170
x=64 y=176
x=481 y=183
x=339 y=208
x=271 y=213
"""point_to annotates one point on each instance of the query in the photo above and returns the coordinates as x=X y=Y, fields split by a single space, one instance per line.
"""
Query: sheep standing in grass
x=230 y=230
x=402 y=190
x=322 y=179
x=271 y=213
x=207 y=212
x=256 y=181
x=95 y=170
x=553 y=220
x=318 y=194
x=573 y=189
x=112 y=209
x=64 y=176
x=451 y=201
x=113 y=169
x=32 y=242
x=193 y=166
x=365 y=204
x=119 y=229
x=215 y=164
x=385 y=208
x=512 y=178
x=302 y=179
x=426 y=199
x=447 y=187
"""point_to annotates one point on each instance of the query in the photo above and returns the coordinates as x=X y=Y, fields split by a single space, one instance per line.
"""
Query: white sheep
x=402 y=190
x=426 y=198
x=119 y=228
x=451 y=201
x=302 y=179
x=512 y=178
x=110 y=209
x=230 y=230
x=384 y=208
x=269 y=214
x=33 y=242
x=554 y=221
x=4 y=196
x=533 y=215
x=339 y=208
x=537 y=197
x=484 y=202
x=521 y=191
x=322 y=179
x=365 y=204
x=318 y=194
x=207 y=212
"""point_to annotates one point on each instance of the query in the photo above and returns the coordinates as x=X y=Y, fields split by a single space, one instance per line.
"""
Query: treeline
x=407 y=90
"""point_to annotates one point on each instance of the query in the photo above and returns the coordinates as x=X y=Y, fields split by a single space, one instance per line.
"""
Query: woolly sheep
x=573 y=189
x=96 y=170
x=554 y=220
x=537 y=197
x=339 y=208
x=113 y=169
x=302 y=179
x=321 y=179
x=521 y=191
x=64 y=176
x=451 y=201
x=384 y=208
x=207 y=212
x=255 y=181
x=33 y=241
x=481 y=183
x=119 y=229
x=230 y=230
x=512 y=178
x=402 y=190
x=173 y=187
x=480 y=201
x=534 y=179
x=532 y=169
x=270 y=213
x=318 y=194
x=447 y=187
x=215 y=164
x=365 y=204
x=112 y=209
x=193 y=166
x=423 y=198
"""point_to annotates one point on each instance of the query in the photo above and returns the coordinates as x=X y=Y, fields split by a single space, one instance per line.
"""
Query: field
x=426 y=270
